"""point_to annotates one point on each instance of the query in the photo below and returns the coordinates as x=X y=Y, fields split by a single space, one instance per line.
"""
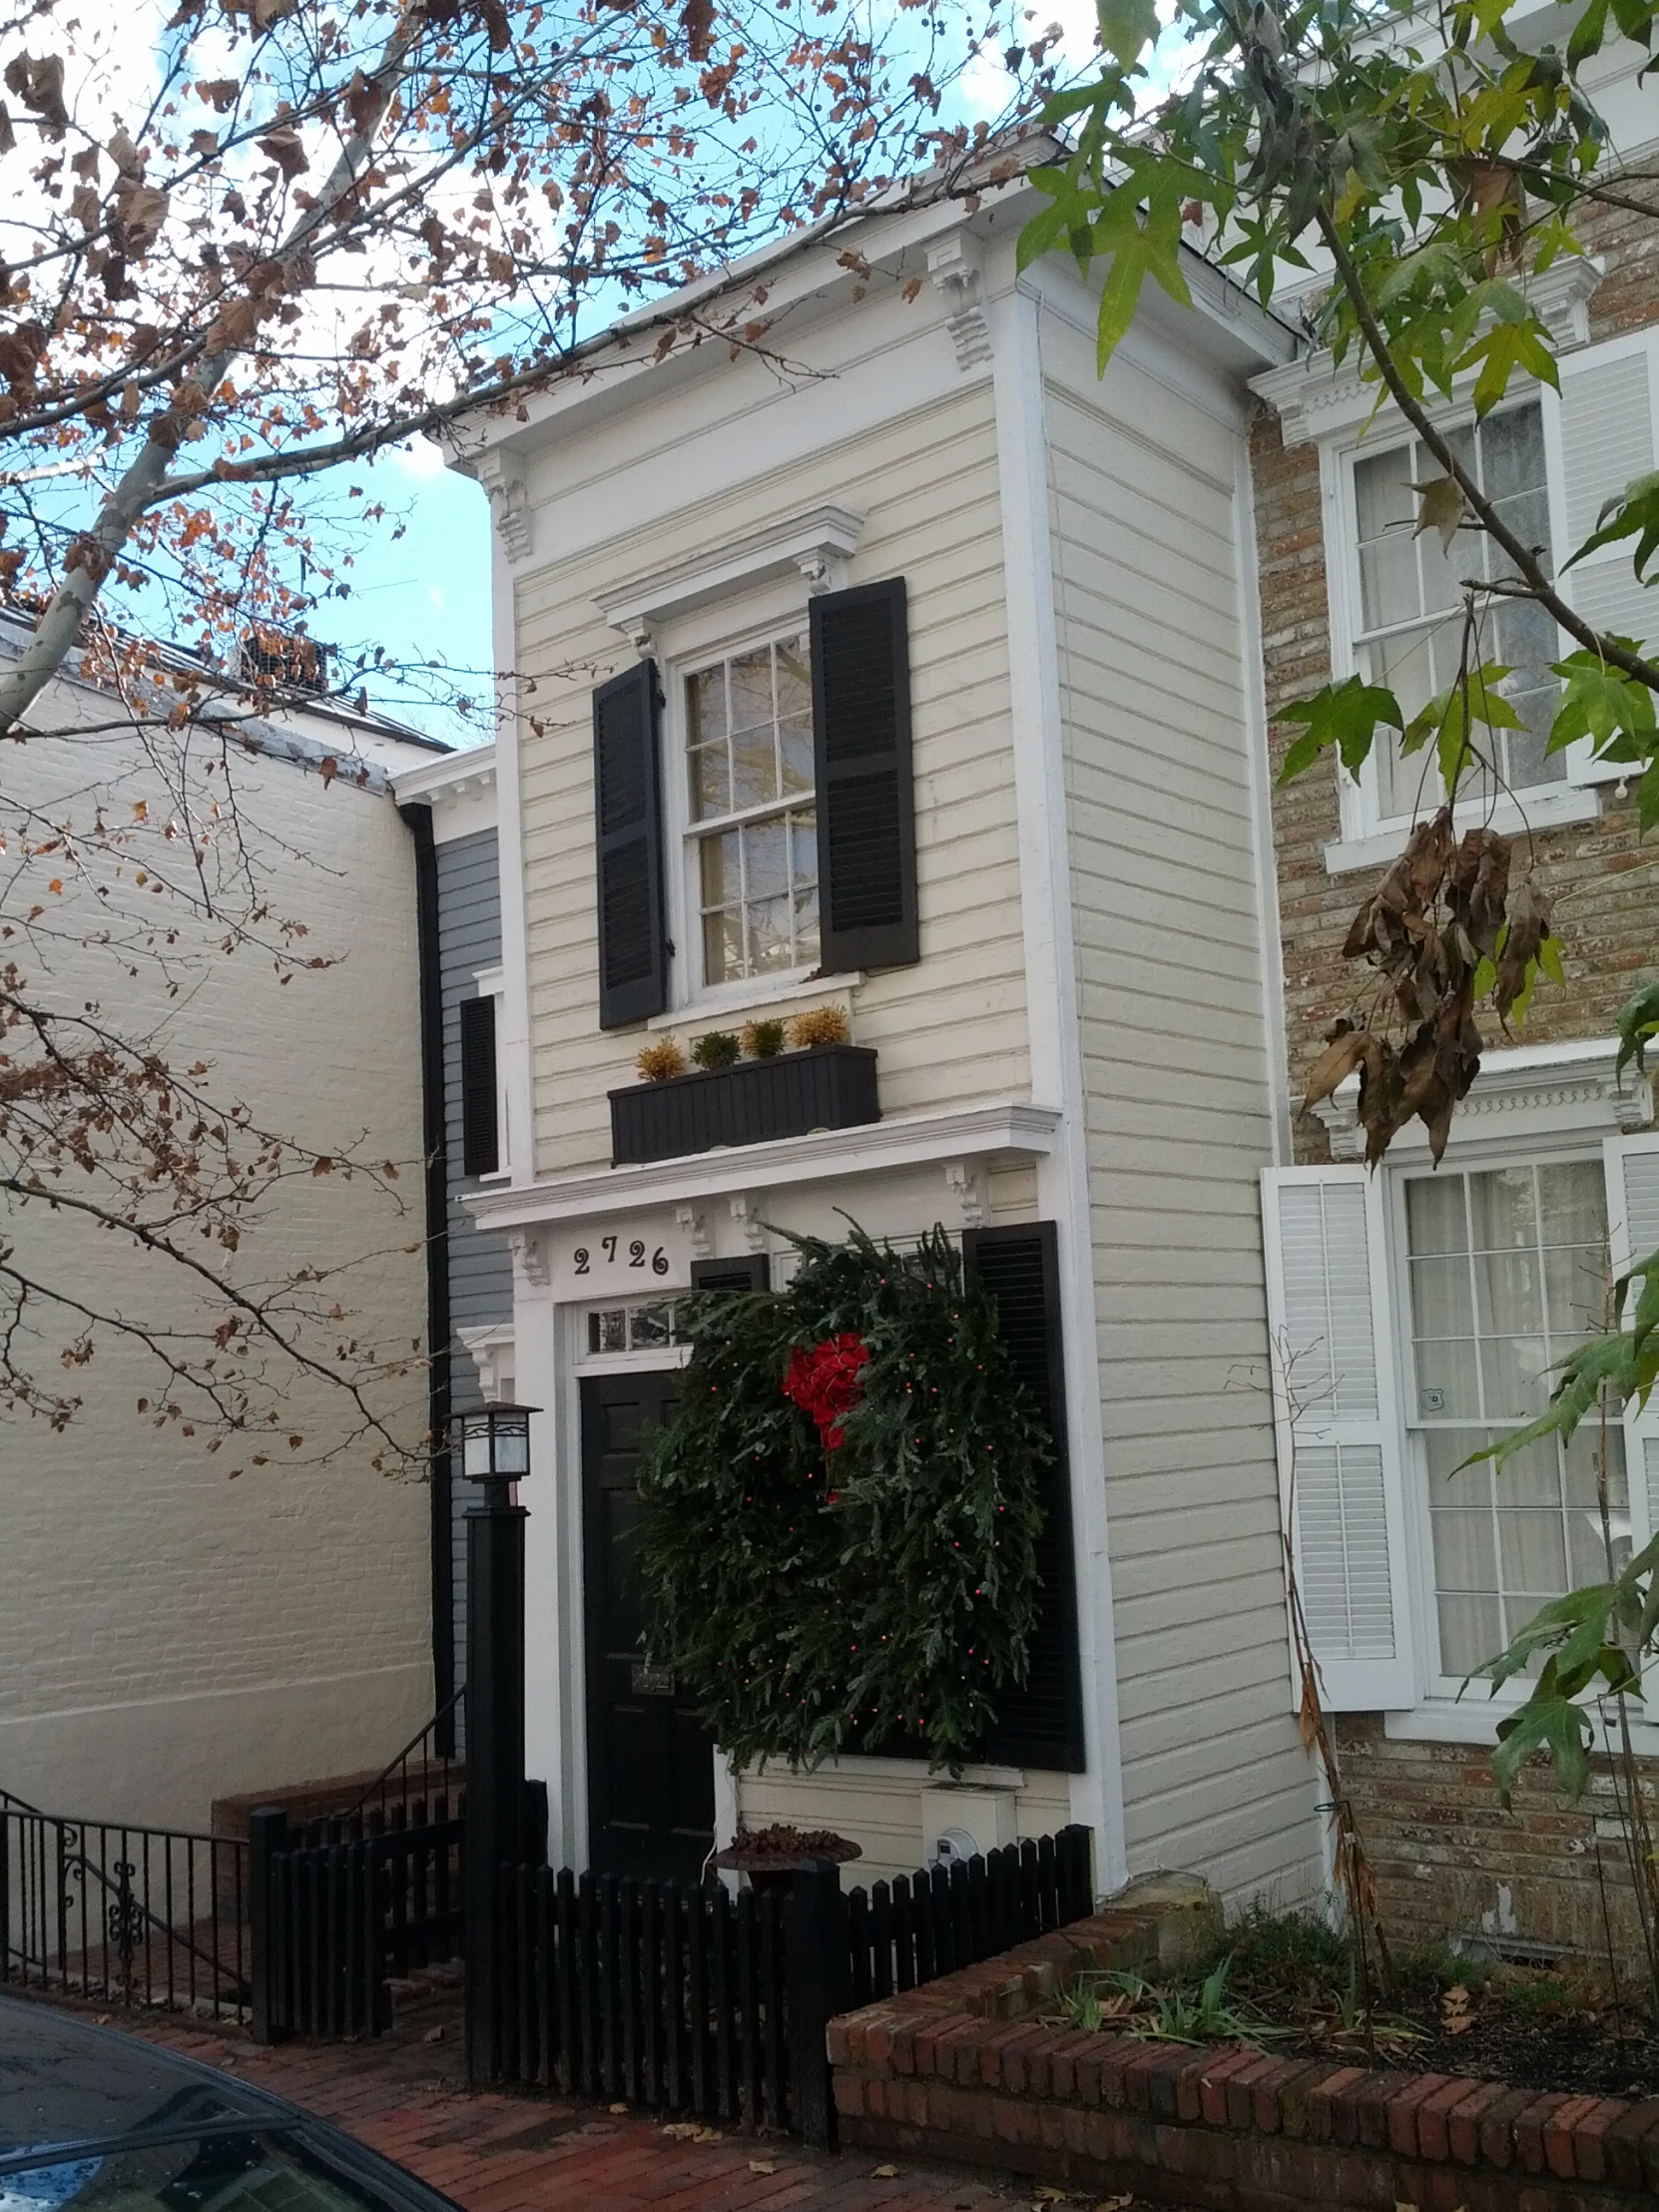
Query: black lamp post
x=495 y=1452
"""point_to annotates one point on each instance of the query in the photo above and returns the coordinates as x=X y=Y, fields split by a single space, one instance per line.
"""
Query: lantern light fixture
x=495 y=1444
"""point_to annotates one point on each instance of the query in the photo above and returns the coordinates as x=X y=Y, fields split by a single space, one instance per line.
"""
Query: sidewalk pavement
x=493 y=2152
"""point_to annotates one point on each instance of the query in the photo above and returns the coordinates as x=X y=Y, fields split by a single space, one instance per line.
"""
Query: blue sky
x=426 y=595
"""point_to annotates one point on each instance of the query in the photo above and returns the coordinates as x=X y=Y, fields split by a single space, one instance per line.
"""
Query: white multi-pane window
x=613 y=1329
x=1410 y=605
x=753 y=828
x=1507 y=1271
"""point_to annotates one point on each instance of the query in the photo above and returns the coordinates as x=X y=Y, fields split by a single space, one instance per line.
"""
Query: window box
x=829 y=1086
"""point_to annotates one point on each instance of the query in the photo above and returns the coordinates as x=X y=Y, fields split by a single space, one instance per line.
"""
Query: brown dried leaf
x=1443 y=508
x=38 y=85
x=697 y=20
x=1479 y=885
x=1529 y=927
x=286 y=149
x=1334 y=1066
x=139 y=215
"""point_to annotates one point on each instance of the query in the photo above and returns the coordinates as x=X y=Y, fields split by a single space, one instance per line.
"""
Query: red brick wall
x=968 y=2070
x=1429 y=1813
x=1450 y=1861
x=1604 y=881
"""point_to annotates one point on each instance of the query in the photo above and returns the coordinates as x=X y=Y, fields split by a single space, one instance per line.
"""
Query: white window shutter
x=1338 y=1420
x=1608 y=419
x=1632 y=1165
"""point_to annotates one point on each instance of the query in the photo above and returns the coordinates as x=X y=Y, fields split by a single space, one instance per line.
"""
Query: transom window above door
x=753 y=822
x=1410 y=605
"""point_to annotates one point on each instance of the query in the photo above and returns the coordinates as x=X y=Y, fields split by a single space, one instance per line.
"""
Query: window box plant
x=785 y=1094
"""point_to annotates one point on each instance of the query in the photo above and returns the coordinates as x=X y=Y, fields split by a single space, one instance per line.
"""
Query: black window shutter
x=480 y=1125
x=628 y=821
x=751 y=1273
x=866 y=840
x=1040 y=1725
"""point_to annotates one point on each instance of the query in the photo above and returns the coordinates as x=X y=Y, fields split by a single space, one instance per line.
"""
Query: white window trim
x=1370 y=839
x=1441 y=1688
x=1541 y=1104
x=691 y=997
x=491 y=982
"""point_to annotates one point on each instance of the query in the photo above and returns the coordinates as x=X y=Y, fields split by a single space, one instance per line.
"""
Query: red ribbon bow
x=827 y=1383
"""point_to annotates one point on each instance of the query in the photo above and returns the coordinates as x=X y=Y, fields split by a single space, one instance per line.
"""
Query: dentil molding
x=1525 y=1093
x=1316 y=398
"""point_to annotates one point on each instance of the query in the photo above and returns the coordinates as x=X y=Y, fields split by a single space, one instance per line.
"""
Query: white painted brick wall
x=167 y=1634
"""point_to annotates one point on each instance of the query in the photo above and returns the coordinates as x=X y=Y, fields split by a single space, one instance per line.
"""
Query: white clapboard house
x=898 y=662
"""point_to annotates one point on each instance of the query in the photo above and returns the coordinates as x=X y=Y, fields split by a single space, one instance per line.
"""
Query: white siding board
x=1177 y=1116
x=950 y=1029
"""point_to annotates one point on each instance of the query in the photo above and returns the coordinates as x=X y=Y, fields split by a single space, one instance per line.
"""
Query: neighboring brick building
x=1430 y=1307
x=169 y=1636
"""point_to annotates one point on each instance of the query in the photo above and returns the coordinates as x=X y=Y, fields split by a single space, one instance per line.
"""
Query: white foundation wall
x=895 y=1810
x=1144 y=472
x=168 y=1635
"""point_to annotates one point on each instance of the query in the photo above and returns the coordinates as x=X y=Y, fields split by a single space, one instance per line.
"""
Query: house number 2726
x=609 y=1253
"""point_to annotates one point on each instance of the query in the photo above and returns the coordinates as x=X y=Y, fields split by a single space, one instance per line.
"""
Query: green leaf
x=1588 y=33
x=1044 y=231
x=1601 y=702
x=1549 y=959
x=1127 y=27
x=1344 y=715
x=1550 y=1723
x=1637 y=1025
x=1634 y=513
x=1603 y=1360
x=1140 y=247
x=1501 y=351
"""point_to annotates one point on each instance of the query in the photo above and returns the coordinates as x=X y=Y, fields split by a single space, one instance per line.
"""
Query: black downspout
x=419 y=820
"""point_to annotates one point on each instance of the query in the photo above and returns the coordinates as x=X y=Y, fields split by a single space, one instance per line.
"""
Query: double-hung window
x=1550 y=460
x=1410 y=593
x=1507 y=1270
x=752 y=833
x=1418 y=1316
x=753 y=809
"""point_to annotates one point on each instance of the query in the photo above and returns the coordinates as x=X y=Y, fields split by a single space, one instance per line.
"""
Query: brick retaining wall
x=964 y=2069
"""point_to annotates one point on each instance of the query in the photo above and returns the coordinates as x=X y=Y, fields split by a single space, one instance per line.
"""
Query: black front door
x=651 y=1776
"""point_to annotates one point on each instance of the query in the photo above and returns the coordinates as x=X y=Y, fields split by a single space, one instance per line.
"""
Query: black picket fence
x=687 y=1999
x=903 y=1933
x=127 y=1915
x=345 y=1906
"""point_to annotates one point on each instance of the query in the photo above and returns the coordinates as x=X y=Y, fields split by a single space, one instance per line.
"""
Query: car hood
x=65 y=2084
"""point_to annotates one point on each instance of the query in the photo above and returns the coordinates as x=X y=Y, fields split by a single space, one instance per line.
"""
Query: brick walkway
x=498 y=2153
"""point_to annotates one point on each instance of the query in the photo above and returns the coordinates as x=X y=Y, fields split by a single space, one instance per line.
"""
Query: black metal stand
x=494 y=1757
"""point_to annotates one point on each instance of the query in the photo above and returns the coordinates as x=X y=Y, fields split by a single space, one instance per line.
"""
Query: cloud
x=419 y=459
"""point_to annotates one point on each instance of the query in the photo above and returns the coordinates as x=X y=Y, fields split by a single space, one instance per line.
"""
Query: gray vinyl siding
x=480 y=1267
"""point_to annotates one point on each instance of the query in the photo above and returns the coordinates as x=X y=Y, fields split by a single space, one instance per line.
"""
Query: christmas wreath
x=840 y=1523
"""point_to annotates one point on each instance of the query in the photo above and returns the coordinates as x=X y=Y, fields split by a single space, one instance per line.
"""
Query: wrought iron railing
x=127 y=1915
x=413 y=1777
